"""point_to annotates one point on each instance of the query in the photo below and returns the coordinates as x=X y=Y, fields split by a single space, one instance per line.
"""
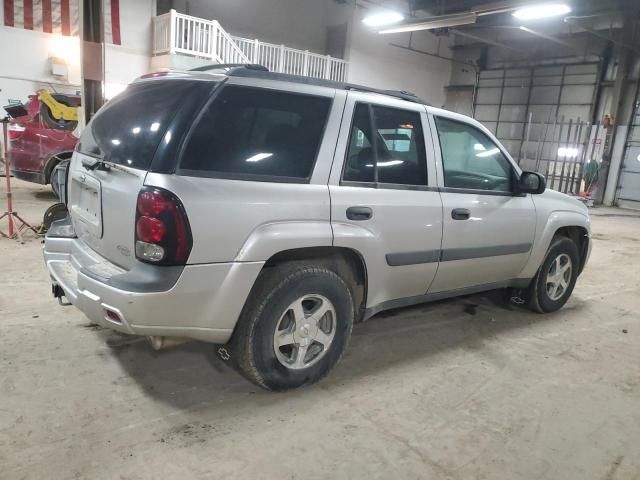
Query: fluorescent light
x=488 y=153
x=568 y=152
x=258 y=156
x=115 y=141
x=380 y=19
x=154 y=126
x=544 y=10
x=136 y=130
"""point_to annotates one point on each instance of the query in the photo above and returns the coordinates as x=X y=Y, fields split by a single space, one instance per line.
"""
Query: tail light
x=15 y=131
x=162 y=234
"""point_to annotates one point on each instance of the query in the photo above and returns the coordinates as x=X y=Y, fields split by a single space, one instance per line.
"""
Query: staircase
x=205 y=41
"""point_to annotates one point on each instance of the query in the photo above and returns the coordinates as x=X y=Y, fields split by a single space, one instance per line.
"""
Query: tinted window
x=128 y=129
x=470 y=159
x=258 y=132
x=399 y=147
x=359 y=162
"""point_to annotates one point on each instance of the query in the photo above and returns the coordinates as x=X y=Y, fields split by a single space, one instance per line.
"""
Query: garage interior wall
x=314 y=24
x=19 y=78
x=379 y=61
x=125 y=62
x=25 y=65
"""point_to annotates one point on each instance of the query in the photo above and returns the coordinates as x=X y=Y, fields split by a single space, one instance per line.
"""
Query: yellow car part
x=59 y=111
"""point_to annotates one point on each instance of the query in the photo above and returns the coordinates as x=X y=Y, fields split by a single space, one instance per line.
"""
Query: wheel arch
x=580 y=236
x=51 y=162
x=348 y=263
x=571 y=224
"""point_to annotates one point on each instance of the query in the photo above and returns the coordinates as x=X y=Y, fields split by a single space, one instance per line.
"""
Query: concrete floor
x=462 y=389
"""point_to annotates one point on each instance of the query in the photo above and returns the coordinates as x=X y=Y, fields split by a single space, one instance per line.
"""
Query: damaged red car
x=38 y=141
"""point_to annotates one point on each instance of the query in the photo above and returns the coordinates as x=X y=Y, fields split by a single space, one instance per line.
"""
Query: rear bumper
x=203 y=303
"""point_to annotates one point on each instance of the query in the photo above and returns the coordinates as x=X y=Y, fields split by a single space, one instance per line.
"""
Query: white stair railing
x=176 y=33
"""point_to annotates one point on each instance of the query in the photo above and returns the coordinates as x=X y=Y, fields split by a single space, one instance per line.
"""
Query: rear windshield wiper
x=105 y=166
x=96 y=165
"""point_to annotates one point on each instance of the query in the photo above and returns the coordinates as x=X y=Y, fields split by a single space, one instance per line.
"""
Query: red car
x=38 y=142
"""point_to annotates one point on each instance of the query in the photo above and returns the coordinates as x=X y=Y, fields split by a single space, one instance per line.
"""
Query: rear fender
x=269 y=239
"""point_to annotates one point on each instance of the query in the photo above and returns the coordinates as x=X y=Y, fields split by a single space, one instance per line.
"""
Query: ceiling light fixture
x=383 y=18
x=544 y=10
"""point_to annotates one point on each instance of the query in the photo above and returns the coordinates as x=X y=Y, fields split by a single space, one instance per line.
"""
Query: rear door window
x=398 y=156
x=257 y=134
x=128 y=129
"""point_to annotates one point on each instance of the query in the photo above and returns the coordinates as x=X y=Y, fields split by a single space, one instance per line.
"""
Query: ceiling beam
x=550 y=38
x=488 y=41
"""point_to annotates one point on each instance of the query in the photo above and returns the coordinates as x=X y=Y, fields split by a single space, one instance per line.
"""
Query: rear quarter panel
x=238 y=220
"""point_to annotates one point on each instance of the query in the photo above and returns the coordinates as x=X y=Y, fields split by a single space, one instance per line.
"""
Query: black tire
x=251 y=350
x=539 y=296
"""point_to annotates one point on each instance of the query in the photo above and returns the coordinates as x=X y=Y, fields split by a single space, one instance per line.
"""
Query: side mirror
x=531 y=182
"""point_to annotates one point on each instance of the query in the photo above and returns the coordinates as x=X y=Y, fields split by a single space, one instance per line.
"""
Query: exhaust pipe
x=160 y=343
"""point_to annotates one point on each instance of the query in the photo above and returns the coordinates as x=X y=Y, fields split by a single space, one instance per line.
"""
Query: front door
x=488 y=230
x=384 y=198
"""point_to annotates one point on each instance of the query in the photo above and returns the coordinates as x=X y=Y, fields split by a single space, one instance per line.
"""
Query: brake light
x=15 y=131
x=163 y=235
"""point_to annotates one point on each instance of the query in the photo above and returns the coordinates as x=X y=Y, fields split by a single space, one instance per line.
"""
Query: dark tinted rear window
x=128 y=129
x=258 y=132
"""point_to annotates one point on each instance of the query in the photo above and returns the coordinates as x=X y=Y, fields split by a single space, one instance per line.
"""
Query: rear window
x=128 y=129
x=257 y=132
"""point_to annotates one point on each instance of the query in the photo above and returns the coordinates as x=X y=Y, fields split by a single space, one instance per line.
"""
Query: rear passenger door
x=384 y=200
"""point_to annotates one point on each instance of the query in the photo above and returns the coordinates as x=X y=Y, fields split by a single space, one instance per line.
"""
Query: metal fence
x=196 y=37
x=567 y=152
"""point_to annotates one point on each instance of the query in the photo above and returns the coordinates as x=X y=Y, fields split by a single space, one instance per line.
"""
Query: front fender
x=545 y=232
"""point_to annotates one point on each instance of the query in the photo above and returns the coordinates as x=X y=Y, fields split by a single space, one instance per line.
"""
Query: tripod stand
x=16 y=223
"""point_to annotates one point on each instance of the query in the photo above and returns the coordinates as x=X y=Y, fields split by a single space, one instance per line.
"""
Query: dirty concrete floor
x=461 y=389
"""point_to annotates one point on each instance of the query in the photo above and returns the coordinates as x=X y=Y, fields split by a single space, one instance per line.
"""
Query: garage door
x=629 y=187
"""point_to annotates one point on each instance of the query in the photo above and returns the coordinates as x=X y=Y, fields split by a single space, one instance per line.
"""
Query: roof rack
x=229 y=66
x=402 y=94
x=253 y=70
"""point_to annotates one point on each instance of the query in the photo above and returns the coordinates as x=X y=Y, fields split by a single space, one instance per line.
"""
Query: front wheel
x=294 y=328
x=553 y=285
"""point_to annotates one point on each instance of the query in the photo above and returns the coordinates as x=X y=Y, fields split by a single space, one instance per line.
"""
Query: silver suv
x=267 y=213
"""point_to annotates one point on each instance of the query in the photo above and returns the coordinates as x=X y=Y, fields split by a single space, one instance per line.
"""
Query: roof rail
x=228 y=66
x=402 y=94
x=253 y=70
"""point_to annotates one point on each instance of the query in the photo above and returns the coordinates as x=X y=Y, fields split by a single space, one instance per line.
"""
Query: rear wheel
x=553 y=285
x=294 y=328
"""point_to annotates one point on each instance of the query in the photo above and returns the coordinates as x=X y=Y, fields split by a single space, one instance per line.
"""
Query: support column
x=92 y=36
